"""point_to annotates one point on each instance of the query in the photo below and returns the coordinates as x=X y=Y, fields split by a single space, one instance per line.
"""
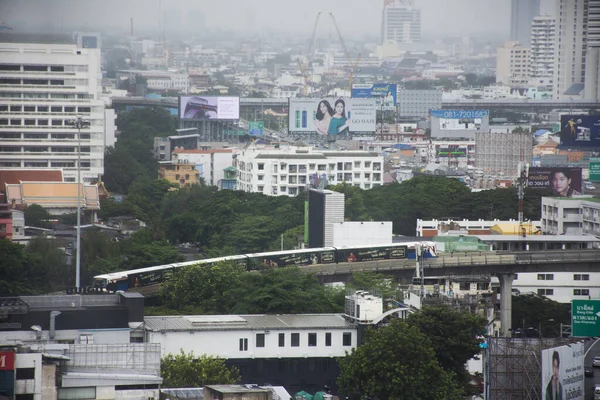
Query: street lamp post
x=78 y=123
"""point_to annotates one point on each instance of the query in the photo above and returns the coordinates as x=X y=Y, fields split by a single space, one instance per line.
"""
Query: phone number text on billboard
x=457 y=114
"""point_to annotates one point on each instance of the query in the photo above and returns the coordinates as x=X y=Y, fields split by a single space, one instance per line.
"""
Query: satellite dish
x=36 y=328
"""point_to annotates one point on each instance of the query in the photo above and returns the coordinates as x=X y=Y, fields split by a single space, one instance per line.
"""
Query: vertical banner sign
x=7 y=374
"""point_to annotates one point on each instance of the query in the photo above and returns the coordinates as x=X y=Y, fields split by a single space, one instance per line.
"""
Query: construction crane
x=352 y=67
x=304 y=68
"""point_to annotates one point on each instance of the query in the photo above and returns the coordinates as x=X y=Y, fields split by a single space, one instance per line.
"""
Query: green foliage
x=145 y=197
x=377 y=282
x=186 y=371
x=110 y=208
x=395 y=362
x=36 y=215
x=530 y=310
x=453 y=334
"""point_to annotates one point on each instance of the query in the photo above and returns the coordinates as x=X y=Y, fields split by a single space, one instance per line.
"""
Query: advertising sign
x=383 y=93
x=580 y=131
x=564 y=182
x=256 y=128
x=585 y=318
x=354 y=255
x=204 y=108
x=595 y=169
x=7 y=373
x=449 y=152
x=562 y=372
x=460 y=119
x=332 y=116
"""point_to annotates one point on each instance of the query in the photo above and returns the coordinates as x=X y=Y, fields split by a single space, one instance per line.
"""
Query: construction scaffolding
x=512 y=367
x=499 y=154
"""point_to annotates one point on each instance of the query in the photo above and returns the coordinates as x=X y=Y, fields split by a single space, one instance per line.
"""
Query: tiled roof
x=246 y=322
x=24 y=175
x=53 y=194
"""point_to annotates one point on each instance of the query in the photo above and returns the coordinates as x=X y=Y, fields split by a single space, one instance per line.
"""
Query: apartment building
x=576 y=216
x=401 y=22
x=290 y=170
x=210 y=164
x=542 y=48
x=559 y=286
x=182 y=173
x=46 y=82
x=512 y=65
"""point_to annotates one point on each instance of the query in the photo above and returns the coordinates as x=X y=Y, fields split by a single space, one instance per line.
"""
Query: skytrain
x=143 y=277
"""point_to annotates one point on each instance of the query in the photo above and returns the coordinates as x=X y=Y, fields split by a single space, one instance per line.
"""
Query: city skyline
x=356 y=17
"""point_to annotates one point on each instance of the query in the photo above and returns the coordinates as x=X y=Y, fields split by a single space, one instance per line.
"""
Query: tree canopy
x=188 y=370
x=395 y=362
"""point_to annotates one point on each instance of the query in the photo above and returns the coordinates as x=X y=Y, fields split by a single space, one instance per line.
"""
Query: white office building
x=574 y=216
x=559 y=286
x=210 y=164
x=401 y=22
x=592 y=62
x=512 y=65
x=541 y=54
x=46 y=82
x=290 y=170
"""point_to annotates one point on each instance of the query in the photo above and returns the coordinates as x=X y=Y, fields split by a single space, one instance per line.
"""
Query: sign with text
x=204 y=108
x=383 y=93
x=564 y=182
x=256 y=128
x=595 y=169
x=7 y=373
x=585 y=318
x=332 y=116
x=562 y=372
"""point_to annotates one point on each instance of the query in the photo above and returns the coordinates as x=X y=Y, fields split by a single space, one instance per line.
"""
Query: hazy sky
x=443 y=17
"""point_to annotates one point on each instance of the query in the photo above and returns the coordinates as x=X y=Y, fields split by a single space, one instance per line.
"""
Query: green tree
x=187 y=370
x=11 y=269
x=36 y=215
x=207 y=289
x=378 y=282
x=146 y=196
x=395 y=362
x=531 y=310
x=47 y=268
x=454 y=336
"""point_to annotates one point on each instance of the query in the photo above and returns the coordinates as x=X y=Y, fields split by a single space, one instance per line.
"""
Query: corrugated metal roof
x=246 y=322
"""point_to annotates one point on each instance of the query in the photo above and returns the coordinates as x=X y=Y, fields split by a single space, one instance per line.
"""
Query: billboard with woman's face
x=564 y=182
x=332 y=116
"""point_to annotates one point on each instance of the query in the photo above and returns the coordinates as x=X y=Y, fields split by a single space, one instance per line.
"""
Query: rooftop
x=246 y=322
x=37 y=38
x=538 y=238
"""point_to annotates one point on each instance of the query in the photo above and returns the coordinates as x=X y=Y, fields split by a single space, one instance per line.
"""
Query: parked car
x=588 y=370
x=596 y=361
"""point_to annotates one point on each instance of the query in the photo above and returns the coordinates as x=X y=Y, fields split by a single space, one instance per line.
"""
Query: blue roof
x=403 y=146
x=574 y=89
x=540 y=132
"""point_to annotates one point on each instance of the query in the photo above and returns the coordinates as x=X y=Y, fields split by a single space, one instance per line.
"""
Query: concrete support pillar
x=506 y=281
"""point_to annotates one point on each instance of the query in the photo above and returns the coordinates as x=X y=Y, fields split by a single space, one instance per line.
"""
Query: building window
x=261 y=166
x=25 y=373
x=243 y=344
x=312 y=339
x=581 y=292
x=282 y=340
x=581 y=277
x=328 y=339
x=545 y=277
x=260 y=340
x=24 y=397
x=347 y=339
x=295 y=339
x=545 y=292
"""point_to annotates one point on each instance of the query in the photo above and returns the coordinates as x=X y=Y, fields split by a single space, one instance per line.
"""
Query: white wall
x=361 y=233
x=29 y=386
x=225 y=344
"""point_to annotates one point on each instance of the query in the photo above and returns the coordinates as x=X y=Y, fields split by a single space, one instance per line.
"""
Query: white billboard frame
x=215 y=108
x=566 y=362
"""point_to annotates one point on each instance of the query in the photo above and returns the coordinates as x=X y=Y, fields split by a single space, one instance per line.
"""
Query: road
x=592 y=350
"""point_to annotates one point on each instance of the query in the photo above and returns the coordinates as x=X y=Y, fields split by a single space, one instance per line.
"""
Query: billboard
x=7 y=374
x=448 y=152
x=384 y=94
x=562 y=372
x=209 y=108
x=564 y=182
x=332 y=116
x=460 y=119
x=580 y=131
x=595 y=169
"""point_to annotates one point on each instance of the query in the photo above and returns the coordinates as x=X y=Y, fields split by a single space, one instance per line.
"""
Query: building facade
x=559 y=286
x=512 y=65
x=46 y=83
x=210 y=164
x=542 y=47
x=418 y=103
x=401 y=22
x=592 y=61
x=574 y=216
x=290 y=170
x=499 y=154
x=181 y=173
x=295 y=351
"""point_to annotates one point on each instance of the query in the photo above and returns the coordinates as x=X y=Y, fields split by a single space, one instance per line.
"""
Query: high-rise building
x=512 y=65
x=541 y=51
x=46 y=82
x=592 y=62
x=570 y=54
x=522 y=13
x=401 y=22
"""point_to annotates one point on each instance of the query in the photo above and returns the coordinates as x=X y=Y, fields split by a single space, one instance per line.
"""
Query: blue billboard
x=459 y=114
x=384 y=93
x=579 y=131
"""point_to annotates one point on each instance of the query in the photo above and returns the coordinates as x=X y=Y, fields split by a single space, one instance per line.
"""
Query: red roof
x=28 y=175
